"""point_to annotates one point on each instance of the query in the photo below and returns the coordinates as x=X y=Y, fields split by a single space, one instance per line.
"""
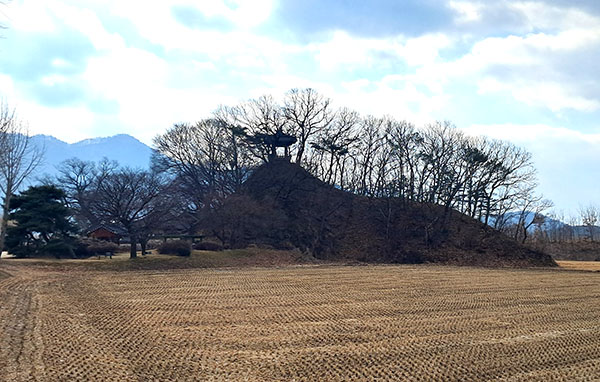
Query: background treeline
x=378 y=157
x=196 y=167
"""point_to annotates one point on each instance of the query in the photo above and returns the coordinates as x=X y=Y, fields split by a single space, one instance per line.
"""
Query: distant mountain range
x=123 y=148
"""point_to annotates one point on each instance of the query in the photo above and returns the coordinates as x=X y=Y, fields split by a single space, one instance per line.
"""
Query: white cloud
x=30 y=16
x=158 y=25
x=541 y=15
x=554 y=96
x=343 y=50
x=136 y=79
x=86 y=22
x=530 y=62
x=424 y=50
x=530 y=69
x=8 y=89
x=467 y=11
x=531 y=133
x=69 y=123
x=243 y=13
x=519 y=16
x=250 y=13
x=537 y=69
x=410 y=78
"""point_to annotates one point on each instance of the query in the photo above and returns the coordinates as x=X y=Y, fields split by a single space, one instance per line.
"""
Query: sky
x=524 y=71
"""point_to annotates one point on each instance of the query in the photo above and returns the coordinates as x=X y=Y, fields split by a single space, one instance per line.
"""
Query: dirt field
x=580 y=265
x=309 y=323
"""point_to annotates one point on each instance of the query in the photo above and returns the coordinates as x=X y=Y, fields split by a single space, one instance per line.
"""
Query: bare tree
x=252 y=119
x=530 y=213
x=78 y=179
x=307 y=113
x=589 y=218
x=555 y=226
x=372 y=140
x=207 y=161
x=128 y=198
x=332 y=147
x=507 y=170
x=404 y=140
x=19 y=158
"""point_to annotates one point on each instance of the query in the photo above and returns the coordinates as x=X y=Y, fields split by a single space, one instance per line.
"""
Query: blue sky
x=524 y=71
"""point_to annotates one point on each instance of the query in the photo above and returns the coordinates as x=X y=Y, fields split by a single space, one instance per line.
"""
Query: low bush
x=153 y=244
x=126 y=247
x=285 y=245
x=176 y=247
x=93 y=247
x=208 y=246
x=59 y=248
x=409 y=257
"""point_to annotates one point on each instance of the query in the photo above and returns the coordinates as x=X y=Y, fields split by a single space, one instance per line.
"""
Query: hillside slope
x=332 y=224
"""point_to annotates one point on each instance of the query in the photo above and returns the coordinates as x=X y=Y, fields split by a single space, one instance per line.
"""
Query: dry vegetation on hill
x=410 y=323
x=285 y=206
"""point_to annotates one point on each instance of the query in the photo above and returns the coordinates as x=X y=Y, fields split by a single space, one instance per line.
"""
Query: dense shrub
x=93 y=247
x=285 y=245
x=242 y=220
x=410 y=257
x=153 y=244
x=208 y=246
x=176 y=247
x=123 y=247
x=60 y=248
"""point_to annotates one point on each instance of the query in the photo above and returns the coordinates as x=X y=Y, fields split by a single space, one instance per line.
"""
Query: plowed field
x=312 y=323
x=580 y=265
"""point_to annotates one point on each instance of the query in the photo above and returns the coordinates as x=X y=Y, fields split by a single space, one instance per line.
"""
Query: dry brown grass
x=199 y=259
x=307 y=323
x=581 y=250
x=580 y=265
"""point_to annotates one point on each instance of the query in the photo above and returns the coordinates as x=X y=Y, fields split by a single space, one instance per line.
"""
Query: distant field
x=580 y=265
x=305 y=323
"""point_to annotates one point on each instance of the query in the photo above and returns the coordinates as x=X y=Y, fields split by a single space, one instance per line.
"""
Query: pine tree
x=40 y=224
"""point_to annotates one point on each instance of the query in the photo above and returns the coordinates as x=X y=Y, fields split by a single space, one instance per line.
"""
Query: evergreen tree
x=41 y=225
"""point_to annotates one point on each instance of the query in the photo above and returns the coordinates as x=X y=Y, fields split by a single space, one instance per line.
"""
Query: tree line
x=196 y=166
x=377 y=157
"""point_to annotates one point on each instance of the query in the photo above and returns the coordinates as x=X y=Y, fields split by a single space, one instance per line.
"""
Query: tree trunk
x=300 y=153
x=133 y=248
x=143 y=243
x=524 y=235
x=4 y=220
